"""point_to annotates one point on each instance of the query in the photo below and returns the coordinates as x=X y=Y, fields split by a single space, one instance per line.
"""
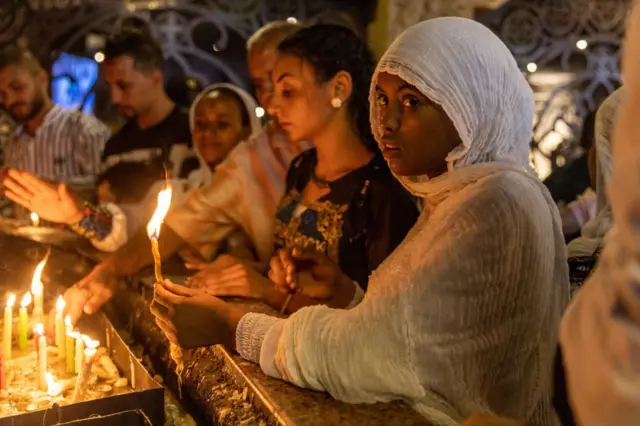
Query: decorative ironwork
x=572 y=48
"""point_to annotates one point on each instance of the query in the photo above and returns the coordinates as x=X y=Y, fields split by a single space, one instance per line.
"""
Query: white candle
x=42 y=356
x=8 y=326
x=83 y=376
x=37 y=289
x=60 y=327
x=79 y=352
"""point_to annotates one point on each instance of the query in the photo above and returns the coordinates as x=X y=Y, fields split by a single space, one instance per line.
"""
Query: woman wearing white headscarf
x=583 y=251
x=462 y=316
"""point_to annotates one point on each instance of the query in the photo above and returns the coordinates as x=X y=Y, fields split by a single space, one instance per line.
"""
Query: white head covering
x=204 y=173
x=463 y=67
x=594 y=231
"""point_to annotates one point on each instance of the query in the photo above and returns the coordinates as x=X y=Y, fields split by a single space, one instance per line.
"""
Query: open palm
x=51 y=202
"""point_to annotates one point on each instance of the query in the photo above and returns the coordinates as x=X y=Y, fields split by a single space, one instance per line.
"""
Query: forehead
x=218 y=104
x=390 y=82
x=294 y=67
x=13 y=73
x=262 y=60
x=121 y=67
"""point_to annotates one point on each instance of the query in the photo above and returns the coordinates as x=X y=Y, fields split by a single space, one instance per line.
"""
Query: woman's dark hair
x=330 y=49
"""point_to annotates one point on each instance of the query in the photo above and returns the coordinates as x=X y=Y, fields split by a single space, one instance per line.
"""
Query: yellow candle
x=60 y=327
x=79 y=353
x=23 y=321
x=8 y=319
x=37 y=289
x=42 y=356
x=69 y=345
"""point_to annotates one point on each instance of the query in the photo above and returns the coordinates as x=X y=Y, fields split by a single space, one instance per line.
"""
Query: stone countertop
x=219 y=387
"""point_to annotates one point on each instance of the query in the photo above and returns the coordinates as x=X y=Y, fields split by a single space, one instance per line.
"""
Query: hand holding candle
x=23 y=321
x=8 y=326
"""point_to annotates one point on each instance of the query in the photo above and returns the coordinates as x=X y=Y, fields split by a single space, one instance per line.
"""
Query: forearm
x=342 y=300
x=136 y=254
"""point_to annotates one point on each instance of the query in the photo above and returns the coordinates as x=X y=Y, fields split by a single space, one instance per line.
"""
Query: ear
x=43 y=78
x=158 y=77
x=342 y=86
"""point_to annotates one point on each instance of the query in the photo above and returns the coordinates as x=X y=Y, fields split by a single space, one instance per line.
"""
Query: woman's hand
x=311 y=273
x=228 y=276
x=51 y=202
x=191 y=318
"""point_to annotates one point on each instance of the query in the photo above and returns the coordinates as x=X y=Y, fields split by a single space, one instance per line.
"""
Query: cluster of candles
x=76 y=349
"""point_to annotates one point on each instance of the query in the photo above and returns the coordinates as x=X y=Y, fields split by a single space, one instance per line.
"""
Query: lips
x=390 y=151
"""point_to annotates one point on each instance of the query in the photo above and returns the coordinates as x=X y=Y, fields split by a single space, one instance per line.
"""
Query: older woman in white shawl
x=584 y=251
x=462 y=317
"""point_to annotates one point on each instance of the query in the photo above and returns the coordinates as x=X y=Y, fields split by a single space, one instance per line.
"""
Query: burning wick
x=37 y=289
x=35 y=219
x=153 y=228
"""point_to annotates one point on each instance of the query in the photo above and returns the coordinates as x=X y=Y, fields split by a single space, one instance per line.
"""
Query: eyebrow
x=283 y=76
x=404 y=86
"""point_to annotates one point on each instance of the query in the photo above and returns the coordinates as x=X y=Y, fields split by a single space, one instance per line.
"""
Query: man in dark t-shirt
x=157 y=130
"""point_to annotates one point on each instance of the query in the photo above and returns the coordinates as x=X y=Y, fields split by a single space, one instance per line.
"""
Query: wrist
x=344 y=293
x=74 y=218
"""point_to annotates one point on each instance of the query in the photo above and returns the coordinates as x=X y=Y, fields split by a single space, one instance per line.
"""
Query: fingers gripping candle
x=153 y=230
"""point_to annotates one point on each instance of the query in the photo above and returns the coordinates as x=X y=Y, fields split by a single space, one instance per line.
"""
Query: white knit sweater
x=460 y=319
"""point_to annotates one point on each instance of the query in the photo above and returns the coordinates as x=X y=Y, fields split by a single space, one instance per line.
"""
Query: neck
x=339 y=150
x=159 y=111
x=34 y=123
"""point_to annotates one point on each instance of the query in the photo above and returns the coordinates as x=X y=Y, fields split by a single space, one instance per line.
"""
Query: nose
x=389 y=120
x=273 y=105
x=116 y=98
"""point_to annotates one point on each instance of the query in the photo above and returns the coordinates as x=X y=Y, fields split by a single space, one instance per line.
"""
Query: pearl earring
x=336 y=103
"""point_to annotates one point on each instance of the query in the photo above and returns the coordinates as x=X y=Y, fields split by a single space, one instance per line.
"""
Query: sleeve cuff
x=250 y=334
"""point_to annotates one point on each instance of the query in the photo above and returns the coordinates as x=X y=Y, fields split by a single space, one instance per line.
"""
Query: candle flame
x=35 y=219
x=74 y=334
x=53 y=387
x=11 y=300
x=67 y=321
x=39 y=329
x=36 y=282
x=91 y=346
x=164 y=201
x=26 y=300
x=60 y=304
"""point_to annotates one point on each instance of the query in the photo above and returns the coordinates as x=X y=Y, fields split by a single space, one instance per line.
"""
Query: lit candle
x=23 y=321
x=153 y=228
x=60 y=327
x=35 y=219
x=153 y=231
x=37 y=289
x=79 y=352
x=8 y=319
x=69 y=345
x=41 y=346
x=83 y=377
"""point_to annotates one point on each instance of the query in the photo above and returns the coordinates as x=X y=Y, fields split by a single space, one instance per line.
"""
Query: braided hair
x=330 y=49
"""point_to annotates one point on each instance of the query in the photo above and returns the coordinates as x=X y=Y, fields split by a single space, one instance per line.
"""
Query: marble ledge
x=228 y=390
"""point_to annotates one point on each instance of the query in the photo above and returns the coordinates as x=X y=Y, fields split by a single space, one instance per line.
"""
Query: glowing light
x=216 y=48
x=259 y=112
x=36 y=282
x=67 y=321
x=39 y=329
x=99 y=57
x=11 y=300
x=582 y=44
x=26 y=300
x=54 y=388
x=532 y=67
x=35 y=219
x=164 y=201
x=60 y=304
x=292 y=20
